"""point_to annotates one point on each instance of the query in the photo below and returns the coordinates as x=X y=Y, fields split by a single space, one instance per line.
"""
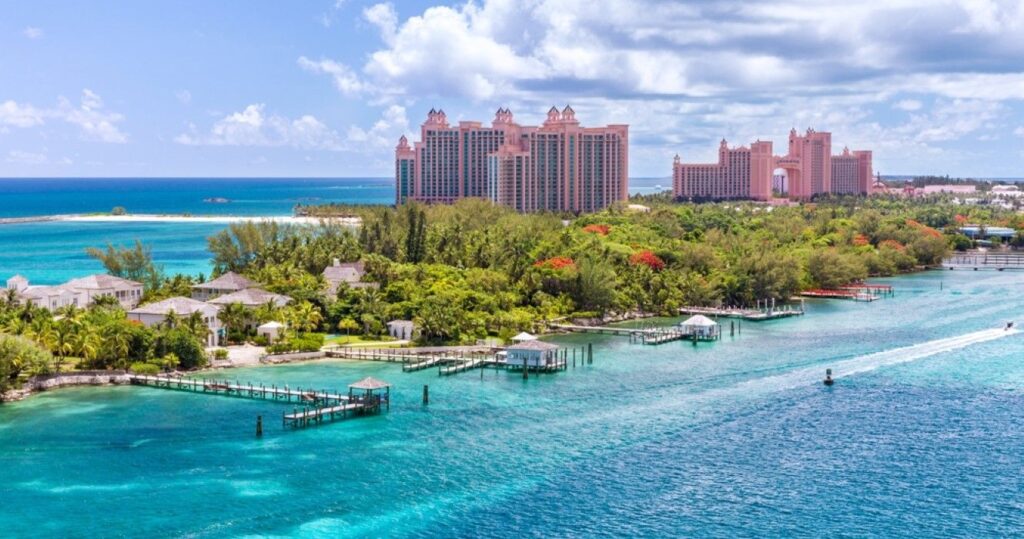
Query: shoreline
x=179 y=218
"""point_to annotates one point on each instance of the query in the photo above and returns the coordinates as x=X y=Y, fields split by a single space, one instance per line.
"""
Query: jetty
x=998 y=261
x=753 y=315
x=236 y=389
x=367 y=396
x=448 y=361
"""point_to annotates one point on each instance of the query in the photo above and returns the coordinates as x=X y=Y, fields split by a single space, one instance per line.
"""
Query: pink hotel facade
x=746 y=173
x=557 y=166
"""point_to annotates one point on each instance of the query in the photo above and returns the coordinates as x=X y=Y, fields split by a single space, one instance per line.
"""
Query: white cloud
x=253 y=127
x=32 y=32
x=384 y=17
x=345 y=80
x=1019 y=131
x=20 y=115
x=91 y=117
x=328 y=17
x=183 y=96
x=907 y=105
x=26 y=158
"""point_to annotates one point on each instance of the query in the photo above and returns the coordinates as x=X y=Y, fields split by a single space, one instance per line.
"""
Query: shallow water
x=920 y=436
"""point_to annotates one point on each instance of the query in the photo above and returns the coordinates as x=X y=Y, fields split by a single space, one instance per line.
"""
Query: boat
x=1009 y=325
x=217 y=200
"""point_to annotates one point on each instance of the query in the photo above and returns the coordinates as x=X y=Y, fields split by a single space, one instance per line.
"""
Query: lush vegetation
x=34 y=341
x=473 y=270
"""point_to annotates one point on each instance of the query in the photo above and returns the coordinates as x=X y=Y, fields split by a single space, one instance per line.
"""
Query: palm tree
x=118 y=343
x=170 y=320
x=196 y=325
x=266 y=312
x=306 y=317
x=87 y=344
x=63 y=343
x=234 y=315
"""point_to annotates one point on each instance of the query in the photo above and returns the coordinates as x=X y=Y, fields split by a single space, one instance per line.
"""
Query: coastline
x=180 y=218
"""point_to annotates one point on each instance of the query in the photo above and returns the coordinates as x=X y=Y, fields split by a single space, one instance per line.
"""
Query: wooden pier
x=598 y=330
x=998 y=261
x=448 y=363
x=375 y=395
x=229 y=389
x=753 y=315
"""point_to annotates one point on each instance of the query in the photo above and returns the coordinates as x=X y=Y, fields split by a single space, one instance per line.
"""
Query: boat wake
x=870 y=362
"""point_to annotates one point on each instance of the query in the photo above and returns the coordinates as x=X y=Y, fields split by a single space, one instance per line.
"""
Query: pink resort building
x=808 y=169
x=557 y=166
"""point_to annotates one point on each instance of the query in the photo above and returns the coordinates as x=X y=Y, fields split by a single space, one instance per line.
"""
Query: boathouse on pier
x=532 y=354
x=700 y=328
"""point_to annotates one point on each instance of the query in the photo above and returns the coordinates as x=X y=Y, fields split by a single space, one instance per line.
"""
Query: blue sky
x=325 y=88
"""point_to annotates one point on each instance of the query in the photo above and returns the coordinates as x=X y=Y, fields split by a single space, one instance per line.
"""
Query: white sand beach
x=135 y=218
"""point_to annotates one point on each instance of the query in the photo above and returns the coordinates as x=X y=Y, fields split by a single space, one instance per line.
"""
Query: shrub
x=260 y=340
x=306 y=342
x=140 y=367
x=555 y=263
x=647 y=258
x=220 y=353
x=601 y=230
x=118 y=210
x=185 y=345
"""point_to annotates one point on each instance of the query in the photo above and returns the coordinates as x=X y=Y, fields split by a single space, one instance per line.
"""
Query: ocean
x=920 y=437
x=54 y=252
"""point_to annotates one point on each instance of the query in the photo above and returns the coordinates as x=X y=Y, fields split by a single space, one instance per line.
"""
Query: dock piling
x=259 y=426
x=426 y=395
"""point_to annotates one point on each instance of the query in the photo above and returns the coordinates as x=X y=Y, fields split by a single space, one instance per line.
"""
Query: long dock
x=251 y=391
x=754 y=315
x=986 y=260
x=599 y=330
x=318 y=415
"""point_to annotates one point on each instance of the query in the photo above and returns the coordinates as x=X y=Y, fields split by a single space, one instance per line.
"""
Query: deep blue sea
x=920 y=437
x=54 y=252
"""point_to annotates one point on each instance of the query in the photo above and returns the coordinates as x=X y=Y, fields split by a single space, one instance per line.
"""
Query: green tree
x=19 y=356
x=134 y=263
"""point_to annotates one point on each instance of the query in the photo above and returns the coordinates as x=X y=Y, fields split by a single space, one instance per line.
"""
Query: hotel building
x=557 y=166
x=747 y=173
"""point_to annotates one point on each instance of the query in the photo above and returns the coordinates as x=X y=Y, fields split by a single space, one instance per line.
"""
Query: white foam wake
x=870 y=362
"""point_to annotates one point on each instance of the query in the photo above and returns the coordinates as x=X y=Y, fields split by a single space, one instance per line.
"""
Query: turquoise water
x=920 y=437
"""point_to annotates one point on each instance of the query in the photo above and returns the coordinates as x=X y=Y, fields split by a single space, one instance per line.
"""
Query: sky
x=326 y=87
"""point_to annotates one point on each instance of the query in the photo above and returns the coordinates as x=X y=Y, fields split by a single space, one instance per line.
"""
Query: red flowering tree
x=861 y=240
x=601 y=230
x=893 y=244
x=647 y=258
x=555 y=263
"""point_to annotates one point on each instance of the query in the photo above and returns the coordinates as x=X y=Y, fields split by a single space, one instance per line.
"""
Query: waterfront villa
x=154 y=314
x=349 y=273
x=228 y=283
x=78 y=292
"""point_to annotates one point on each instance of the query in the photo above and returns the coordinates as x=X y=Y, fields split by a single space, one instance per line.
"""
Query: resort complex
x=557 y=166
x=808 y=169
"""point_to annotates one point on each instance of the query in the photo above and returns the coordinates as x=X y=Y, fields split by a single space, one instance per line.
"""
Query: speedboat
x=1008 y=325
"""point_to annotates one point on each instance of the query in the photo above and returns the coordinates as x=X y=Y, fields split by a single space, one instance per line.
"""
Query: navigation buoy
x=1009 y=325
x=828 y=377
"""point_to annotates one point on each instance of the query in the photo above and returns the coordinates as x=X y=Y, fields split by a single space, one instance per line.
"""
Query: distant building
x=348 y=273
x=80 y=292
x=749 y=173
x=402 y=329
x=557 y=166
x=225 y=284
x=154 y=314
x=956 y=189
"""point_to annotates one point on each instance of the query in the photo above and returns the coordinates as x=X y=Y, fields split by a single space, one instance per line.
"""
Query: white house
x=271 y=331
x=78 y=292
x=532 y=354
x=252 y=297
x=128 y=293
x=349 y=273
x=225 y=284
x=154 y=314
x=401 y=329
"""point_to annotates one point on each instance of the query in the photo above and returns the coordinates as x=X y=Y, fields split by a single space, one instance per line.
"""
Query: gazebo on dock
x=523 y=337
x=374 y=392
x=700 y=328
